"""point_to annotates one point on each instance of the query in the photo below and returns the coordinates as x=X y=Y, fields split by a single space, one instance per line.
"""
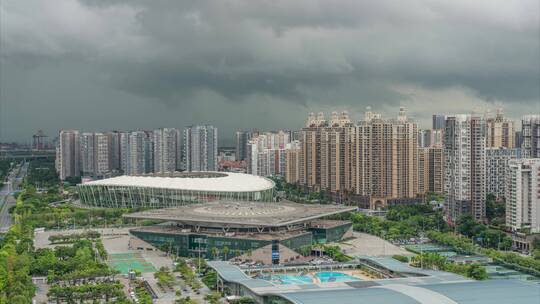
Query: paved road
x=15 y=178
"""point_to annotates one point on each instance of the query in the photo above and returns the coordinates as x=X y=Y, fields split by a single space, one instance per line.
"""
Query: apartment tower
x=200 y=148
x=464 y=154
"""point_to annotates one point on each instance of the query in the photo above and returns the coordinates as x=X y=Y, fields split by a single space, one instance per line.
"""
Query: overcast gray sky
x=112 y=64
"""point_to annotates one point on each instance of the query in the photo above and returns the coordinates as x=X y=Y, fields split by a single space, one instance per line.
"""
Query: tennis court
x=124 y=262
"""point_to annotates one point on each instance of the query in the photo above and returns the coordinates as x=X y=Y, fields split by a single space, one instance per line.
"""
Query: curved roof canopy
x=195 y=181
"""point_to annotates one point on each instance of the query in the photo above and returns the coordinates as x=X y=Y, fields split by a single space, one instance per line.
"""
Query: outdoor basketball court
x=124 y=262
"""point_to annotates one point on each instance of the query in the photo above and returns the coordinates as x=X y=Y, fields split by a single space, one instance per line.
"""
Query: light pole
x=383 y=234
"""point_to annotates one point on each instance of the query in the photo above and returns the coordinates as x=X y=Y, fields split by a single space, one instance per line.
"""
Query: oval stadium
x=174 y=189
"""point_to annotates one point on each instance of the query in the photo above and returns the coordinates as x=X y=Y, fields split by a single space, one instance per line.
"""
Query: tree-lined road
x=7 y=200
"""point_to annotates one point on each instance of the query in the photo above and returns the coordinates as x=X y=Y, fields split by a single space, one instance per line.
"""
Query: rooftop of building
x=195 y=181
x=243 y=214
x=433 y=287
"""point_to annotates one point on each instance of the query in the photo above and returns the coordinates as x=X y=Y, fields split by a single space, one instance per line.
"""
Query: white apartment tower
x=522 y=194
x=465 y=156
x=103 y=154
x=496 y=167
x=266 y=153
x=96 y=154
x=137 y=153
x=166 y=146
x=200 y=148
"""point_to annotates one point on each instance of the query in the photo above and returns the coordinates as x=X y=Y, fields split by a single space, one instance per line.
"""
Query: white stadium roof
x=225 y=182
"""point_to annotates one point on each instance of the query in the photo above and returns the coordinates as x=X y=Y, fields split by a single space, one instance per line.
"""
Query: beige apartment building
x=436 y=169
x=376 y=158
x=430 y=170
x=292 y=163
x=500 y=132
x=423 y=170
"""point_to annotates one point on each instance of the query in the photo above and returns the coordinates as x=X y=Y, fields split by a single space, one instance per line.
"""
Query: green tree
x=225 y=252
x=214 y=252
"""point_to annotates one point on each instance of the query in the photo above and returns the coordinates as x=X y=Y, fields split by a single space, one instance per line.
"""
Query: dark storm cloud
x=235 y=56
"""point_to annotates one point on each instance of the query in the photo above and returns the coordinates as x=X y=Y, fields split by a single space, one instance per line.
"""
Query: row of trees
x=466 y=246
x=402 y=222
x=435 y=261
x=15 y=260
x=109 y=292
x=42 y=173
x=188 y=274
x=296 y=193
x=164 y=277
x=481 y=234
x=75 y=263
x=5 y=167
x=333 y=252
x=70 y=238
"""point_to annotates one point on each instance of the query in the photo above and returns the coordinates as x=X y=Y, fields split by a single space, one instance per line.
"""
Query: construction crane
x=39 y=140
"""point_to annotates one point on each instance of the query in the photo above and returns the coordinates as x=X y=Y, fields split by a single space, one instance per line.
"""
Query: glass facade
x=191 y=244
x=331 y=234
x=110 y=196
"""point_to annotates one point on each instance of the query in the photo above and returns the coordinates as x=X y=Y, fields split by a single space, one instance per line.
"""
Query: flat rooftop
x=195 y=181
x=242 y=214
x=442 y=289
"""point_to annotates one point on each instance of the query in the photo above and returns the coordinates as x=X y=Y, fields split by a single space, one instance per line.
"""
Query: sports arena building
x=175 y=189
x=241 y=227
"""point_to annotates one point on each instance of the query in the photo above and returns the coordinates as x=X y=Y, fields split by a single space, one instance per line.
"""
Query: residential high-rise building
x=430 y=170
x=124 y=151
x=324 y=152
x=310 y=141
x=496 y=166
x=115 y=150
x=375 y=159
x=438 y=122
x=200 y=148
x=518 y=139
x=530 y=136
x=423 y=170
x=149 y=152
x=360 y=181
x=87 y=144
x=242 y=141
x=137 y=153
x=436 y=169
x=166 y=143
x=292 y=163
x=522 y=199
x=68 y=154
x=394 y=158
x=500 y=132
x=464 y=154
x=334 y=153
x=266 y=153
x=430 y=137
x=103 y=154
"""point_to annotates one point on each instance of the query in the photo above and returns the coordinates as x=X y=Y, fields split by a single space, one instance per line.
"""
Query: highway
x=7 y=200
